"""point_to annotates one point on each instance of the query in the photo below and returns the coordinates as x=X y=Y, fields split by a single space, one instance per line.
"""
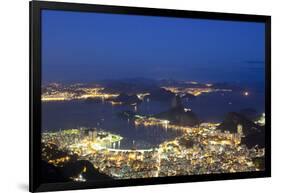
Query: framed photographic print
x=123 y=96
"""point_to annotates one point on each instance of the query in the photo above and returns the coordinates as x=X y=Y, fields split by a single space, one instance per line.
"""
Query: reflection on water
x=104 y=116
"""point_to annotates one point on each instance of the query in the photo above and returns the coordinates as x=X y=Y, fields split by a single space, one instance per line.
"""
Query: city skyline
x=167 y=97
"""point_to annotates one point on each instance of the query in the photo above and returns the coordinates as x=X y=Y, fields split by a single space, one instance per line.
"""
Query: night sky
x=85 y=47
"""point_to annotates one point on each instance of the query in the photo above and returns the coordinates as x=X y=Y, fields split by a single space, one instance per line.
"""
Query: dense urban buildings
x=147 y=97
x=198 y=148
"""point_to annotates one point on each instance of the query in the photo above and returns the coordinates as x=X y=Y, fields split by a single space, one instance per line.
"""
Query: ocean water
x=210 y=107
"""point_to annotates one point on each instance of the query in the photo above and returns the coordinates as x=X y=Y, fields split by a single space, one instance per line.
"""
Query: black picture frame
x=35 y=94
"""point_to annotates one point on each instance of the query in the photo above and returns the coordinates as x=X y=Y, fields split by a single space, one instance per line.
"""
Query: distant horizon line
x=149 y=79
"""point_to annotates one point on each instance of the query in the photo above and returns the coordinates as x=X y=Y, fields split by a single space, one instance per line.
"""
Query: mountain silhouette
x=253 y=133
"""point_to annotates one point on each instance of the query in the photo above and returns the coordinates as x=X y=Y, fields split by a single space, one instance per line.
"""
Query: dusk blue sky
x=83 y=47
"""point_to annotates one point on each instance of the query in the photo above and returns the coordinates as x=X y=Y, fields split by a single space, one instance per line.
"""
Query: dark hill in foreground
x=52 y=174
x=232 y=120
x=253 y=133
x=64 y=171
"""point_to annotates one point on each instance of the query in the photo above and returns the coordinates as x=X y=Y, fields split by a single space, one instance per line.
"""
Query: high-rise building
x=240 y=129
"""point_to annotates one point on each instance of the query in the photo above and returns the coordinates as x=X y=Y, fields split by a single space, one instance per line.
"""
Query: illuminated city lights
x=199 y=149
x=204 y=147
x=60 y=93
x=194 y=91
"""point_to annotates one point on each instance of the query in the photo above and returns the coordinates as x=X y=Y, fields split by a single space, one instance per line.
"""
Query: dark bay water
x=214 y=106
x=104 y=116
